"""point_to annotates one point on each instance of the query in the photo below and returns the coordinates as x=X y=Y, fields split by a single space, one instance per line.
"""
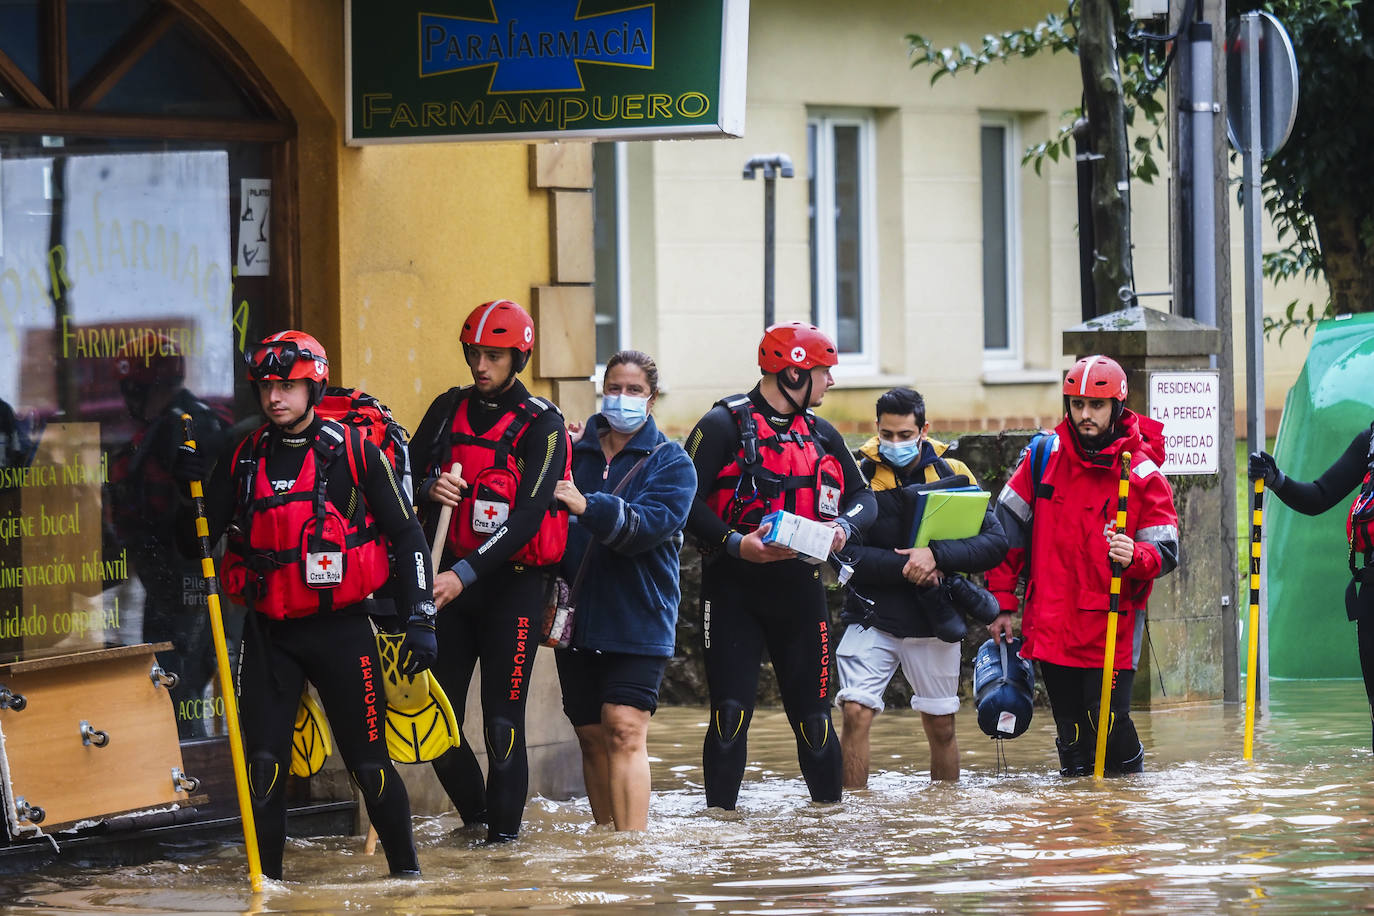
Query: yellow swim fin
x=420 y=723
x=310 y=742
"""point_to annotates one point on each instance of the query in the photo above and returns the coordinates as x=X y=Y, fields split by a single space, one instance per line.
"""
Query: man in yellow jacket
x=910 y=613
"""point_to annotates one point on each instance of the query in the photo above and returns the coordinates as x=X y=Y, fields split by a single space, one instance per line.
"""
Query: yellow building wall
x=397 y=242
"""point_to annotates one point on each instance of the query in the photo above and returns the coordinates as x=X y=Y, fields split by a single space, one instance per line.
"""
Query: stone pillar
x=1191 y=607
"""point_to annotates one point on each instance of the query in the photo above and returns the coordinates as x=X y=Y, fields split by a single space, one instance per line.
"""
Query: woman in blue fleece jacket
x=626 y=619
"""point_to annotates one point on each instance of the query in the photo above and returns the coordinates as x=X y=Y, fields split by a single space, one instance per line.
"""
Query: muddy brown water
x=1200 y=832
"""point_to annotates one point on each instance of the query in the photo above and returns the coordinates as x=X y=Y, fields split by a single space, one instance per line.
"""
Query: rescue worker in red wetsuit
x=501 y=550
x=756 y=453
x=311 y=507
x=1062 y=536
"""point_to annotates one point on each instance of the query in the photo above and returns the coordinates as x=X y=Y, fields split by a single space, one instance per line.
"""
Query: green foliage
x=1301 y=316
x=1314 y=188
x=1319 y=183
x=1053 y=34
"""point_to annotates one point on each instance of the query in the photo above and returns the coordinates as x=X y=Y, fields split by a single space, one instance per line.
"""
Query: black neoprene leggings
x=337 y=652
x=781 y=607
x=1075 y=695
x=496 y=620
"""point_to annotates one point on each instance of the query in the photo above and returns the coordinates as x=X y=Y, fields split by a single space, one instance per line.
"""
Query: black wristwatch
x=424 y=613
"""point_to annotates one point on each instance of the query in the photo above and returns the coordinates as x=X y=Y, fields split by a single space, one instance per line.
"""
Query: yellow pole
x=1252 y=649
x=226 y=678
x=1104 y=712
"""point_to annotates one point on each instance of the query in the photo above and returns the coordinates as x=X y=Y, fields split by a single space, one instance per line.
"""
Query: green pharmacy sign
x=428 y=70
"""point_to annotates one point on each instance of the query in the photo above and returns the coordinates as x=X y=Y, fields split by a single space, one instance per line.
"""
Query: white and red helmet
x=500 y=323
x=1096 y=377
x=797 y=344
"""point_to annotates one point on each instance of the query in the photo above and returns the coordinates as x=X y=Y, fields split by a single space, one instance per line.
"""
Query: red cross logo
x=325 y=562
x=490 y=512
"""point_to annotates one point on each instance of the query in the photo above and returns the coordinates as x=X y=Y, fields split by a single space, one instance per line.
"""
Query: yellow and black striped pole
x=1104 y=709
x=1252 y=649
x=226 y=678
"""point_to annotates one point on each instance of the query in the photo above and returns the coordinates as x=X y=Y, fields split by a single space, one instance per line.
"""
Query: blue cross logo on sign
x=536 y=47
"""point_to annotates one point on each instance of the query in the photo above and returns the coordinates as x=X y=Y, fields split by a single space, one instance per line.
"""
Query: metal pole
x=1083 y=161
x=769 y=193
x=1254 y=292
x=1203 y=224
x=773 y=165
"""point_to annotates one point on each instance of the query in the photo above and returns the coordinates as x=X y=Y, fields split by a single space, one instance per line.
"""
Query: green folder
x=948 y=515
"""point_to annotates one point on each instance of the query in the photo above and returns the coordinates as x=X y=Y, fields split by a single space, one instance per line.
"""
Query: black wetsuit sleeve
x=412 y=580
x=541 y=453
x=858 y=509
x=712 y=445
x=421 y=448
x=1335 y=483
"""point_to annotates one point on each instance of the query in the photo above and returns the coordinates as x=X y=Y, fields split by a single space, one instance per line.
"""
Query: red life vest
x=1359 y=522
x=775 y=470
x=493 y=478
x=294 y=553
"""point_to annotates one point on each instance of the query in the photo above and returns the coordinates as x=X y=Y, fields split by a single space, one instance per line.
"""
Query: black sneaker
x=978 y=603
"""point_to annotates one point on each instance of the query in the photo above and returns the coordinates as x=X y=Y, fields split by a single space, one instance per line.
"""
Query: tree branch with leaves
x=1318 y=189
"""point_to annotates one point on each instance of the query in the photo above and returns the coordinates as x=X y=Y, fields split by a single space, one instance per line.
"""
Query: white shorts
x=868 y=659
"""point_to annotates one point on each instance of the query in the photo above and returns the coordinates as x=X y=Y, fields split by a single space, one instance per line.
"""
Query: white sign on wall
x=255 y=227
x=1189 y=406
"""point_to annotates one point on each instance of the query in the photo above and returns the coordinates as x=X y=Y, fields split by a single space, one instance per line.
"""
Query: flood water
x=1200 y=832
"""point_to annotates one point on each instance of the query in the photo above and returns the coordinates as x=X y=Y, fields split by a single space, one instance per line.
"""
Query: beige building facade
x=937 y=260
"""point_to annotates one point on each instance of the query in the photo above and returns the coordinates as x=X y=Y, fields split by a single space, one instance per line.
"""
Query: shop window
x=843 y=235
x=94 y=28
x=204 y=87
x=19 y=37
x=1001 y=244
x=144 y=201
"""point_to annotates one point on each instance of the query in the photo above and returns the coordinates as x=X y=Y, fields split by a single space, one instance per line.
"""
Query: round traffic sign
x=1278 y=81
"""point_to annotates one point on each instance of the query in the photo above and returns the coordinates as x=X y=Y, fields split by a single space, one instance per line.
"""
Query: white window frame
x=1013 y=355
x=822 y=247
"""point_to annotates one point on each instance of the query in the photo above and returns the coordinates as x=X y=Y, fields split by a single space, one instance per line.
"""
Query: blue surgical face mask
x=900 y=454
x=625 y=412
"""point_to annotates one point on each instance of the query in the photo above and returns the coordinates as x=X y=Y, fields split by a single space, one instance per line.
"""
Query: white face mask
x=625 y=412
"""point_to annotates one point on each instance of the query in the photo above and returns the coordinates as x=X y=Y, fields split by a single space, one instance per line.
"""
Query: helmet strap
x=518 y=361
x=803 y=382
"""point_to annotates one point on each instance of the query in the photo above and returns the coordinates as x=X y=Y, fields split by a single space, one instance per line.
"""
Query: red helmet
x=287 y=355
x=150 y=358
x=499 y=323
x=797 y=344
x=1096 y=377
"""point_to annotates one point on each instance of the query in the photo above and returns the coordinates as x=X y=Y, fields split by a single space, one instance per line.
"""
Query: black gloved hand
x=420 y=647
x=1263 y=465
x=188 y=465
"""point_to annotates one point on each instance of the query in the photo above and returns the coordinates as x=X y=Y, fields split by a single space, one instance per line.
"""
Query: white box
x=809 y=538
x=1144 y=10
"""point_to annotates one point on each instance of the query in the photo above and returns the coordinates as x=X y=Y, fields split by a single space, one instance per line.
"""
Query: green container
x=1332 y=400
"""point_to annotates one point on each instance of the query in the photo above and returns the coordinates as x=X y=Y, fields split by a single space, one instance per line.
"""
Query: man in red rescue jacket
x=502 y=546
x=1062 y=535
x=756 y=453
